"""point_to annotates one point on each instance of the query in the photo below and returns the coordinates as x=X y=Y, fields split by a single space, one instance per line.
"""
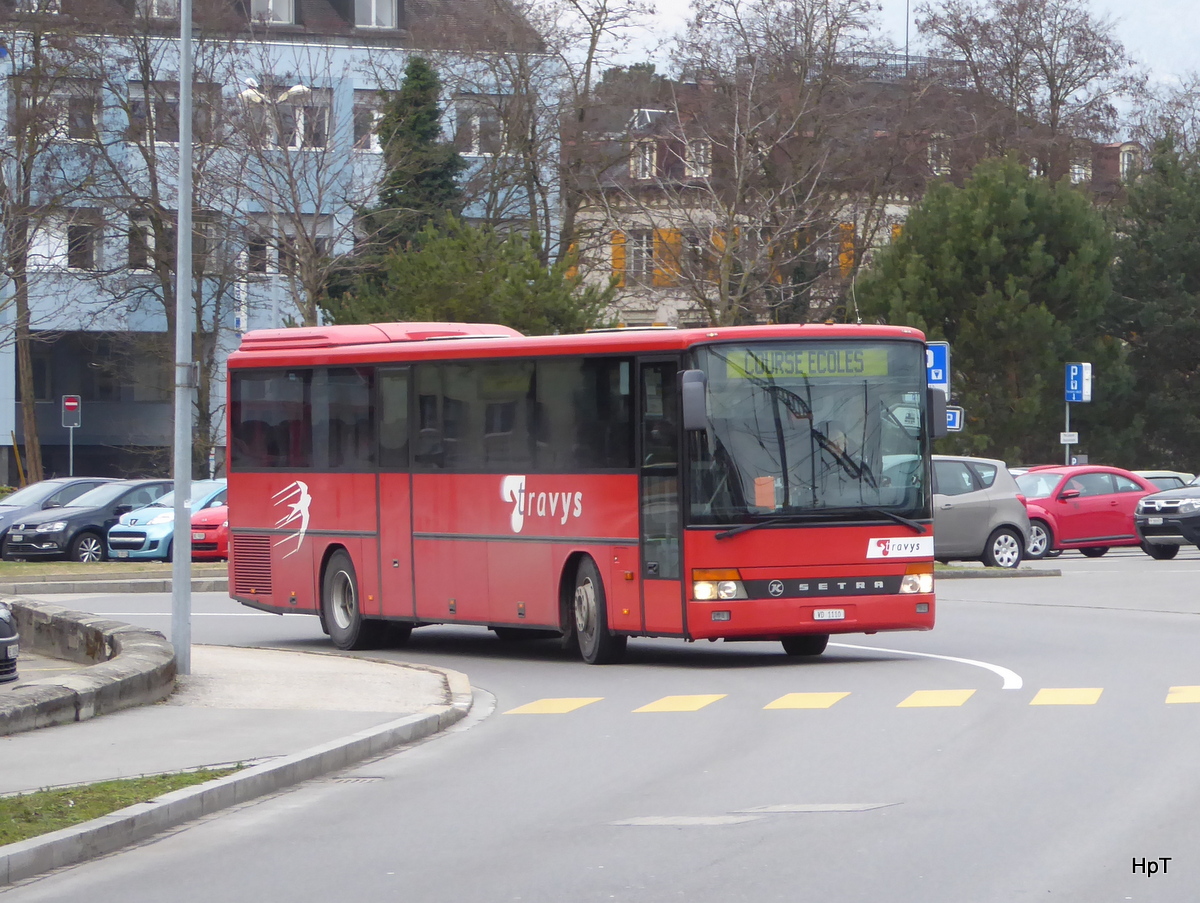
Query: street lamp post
x=185 y=379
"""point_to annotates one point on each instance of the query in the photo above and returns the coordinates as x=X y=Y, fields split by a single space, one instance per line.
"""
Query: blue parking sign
x=937 y=366
x=1079 y=382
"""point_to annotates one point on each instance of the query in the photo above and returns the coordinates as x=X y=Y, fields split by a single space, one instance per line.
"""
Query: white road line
x=194 y=614
x=1012 y=680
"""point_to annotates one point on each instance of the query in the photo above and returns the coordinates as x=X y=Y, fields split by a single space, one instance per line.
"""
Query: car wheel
x=87 y=547
x=597 y=644
x=1003 y=549
x=806 y=644
x=1094 y=551
x=339 y=603
x=1160 y=553
x=1040 y=540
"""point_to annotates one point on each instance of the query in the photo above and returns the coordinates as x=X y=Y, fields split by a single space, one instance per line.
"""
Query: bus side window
x=393 y=420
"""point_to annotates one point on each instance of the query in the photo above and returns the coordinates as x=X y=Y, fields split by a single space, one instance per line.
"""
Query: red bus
x=741 y=483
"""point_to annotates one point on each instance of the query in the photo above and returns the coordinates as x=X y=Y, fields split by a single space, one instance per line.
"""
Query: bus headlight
x=918 y=579
x=708 y=586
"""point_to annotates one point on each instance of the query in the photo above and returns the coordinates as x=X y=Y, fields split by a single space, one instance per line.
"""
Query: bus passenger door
x=395 y=495
x=658 y=448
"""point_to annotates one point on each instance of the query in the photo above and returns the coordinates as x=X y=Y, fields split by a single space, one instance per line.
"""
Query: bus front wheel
x=805 y=644
x=340 y=609
x=597 y=644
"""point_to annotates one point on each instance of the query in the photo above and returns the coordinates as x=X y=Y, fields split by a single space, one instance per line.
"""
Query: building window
x=159 y=9
x=375 y=13
x=40 y=6
x=643 y=162
x=82 y=238
x=939 y=155
x=154 y=112
x=302 y=124
x=366 y=121
x=639 y=257
x=698 y=164
x=1128 y=163
x=480 y=124
x=1081 y=171
x=278 y=12
x=257 y=253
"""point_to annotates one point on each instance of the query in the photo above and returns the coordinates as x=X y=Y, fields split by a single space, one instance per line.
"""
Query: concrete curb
x=37 y=855
x=973 y=573
x=128 y=666
x=125 y=585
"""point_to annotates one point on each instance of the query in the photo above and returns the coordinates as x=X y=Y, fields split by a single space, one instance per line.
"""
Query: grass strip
x=14 y=571
x=43 y=811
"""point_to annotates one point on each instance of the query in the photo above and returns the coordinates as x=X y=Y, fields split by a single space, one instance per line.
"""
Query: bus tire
x=805 y=644
x=597 y=644
x=340 y=609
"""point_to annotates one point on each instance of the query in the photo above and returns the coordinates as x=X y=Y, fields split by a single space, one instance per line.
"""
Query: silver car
x=978 y=512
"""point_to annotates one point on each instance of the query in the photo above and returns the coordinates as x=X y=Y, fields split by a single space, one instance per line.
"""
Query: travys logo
x=893 y=547
x=533 y=503
x=295 y=500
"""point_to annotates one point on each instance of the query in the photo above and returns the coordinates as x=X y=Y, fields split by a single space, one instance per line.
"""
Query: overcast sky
x=1162 y=34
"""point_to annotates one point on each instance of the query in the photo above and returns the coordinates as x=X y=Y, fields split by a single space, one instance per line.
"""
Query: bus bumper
x=770 y=619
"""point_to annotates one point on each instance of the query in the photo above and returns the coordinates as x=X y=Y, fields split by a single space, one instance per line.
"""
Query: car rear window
x=1036 y=485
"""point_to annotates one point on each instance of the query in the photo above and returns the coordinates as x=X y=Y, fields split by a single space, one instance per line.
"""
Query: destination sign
x=810 y=362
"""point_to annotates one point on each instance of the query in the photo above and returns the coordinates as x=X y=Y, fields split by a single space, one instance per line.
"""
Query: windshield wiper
x=891 y=515
x=742 y=528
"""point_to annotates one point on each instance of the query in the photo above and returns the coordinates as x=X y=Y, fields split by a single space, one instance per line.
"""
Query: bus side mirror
x=938 y=427
x=693 y=389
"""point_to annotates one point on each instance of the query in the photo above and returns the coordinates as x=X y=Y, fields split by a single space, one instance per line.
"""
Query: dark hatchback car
x=43 y=496
x=1167 y=520
x=78 y=531
x=10 y=644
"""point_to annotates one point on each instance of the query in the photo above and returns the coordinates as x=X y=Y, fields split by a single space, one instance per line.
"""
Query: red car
x=1085 y=507
x=210 y=534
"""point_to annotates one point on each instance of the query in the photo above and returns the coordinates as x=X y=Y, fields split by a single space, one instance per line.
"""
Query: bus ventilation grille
x=251 y=565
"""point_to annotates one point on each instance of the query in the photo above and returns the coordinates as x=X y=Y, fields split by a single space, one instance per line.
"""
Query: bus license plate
x=829 y=614
x=1154 y=521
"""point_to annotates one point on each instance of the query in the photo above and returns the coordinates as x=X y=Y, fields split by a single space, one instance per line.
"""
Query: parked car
x=1167 y=520
x=148 y=533
x=1166 y=479
x=210 y=532
x=77 y=531
x=10 y=645
x=978 y=512
x=42 y=496
x=1085 y=507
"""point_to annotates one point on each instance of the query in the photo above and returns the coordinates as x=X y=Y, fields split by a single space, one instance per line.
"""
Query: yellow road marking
x=927 y=699
x=806 y=701
x=681 y=703
x=1067 y=696
x=559 y=706
x=1184 y=694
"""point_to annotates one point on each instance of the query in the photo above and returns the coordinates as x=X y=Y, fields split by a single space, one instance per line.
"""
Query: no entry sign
x=72 y=411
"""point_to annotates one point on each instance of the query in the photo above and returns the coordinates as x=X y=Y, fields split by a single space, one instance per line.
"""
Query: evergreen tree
x=453 y=271
x=420 y=182
x=1014 y=273
x=1157 y=279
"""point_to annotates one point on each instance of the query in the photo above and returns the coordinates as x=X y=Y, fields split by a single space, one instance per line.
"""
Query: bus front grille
x=251 y=557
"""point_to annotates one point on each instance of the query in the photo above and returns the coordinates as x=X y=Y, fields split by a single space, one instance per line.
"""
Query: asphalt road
x=1037 y=745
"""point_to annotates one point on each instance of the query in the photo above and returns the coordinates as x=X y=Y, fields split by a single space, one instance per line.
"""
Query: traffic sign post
x=1078 y=389
x=72 y=416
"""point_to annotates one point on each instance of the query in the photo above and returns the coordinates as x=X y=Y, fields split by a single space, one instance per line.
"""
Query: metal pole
x=1067 y=446
x=70 y=451
x=181 y=567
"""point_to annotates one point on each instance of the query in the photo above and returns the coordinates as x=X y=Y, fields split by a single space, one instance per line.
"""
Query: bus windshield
x=803 y=429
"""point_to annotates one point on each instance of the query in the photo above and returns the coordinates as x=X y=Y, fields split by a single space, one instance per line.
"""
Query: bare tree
x=1170 y=111
x=1054 y=65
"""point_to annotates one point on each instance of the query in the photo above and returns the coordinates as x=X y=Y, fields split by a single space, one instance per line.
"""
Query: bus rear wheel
x=597 y=644
x=806 y=644
x=340 y=609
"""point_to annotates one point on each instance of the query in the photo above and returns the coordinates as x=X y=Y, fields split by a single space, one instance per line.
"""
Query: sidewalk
x=289 y=716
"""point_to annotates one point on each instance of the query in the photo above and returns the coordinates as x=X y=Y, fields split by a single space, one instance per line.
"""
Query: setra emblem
x=775 y=587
